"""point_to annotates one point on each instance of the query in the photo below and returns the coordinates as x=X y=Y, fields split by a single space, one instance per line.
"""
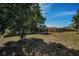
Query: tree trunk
x=76 y=31
x=22 y=34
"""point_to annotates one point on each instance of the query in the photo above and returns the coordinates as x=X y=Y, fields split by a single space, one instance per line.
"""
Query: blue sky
x=58 y=14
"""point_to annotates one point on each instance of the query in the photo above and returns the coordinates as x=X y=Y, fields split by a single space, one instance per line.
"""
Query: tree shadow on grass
x=36 y=47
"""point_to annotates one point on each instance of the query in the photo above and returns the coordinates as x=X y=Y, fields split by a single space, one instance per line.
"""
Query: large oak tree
x=19 y=17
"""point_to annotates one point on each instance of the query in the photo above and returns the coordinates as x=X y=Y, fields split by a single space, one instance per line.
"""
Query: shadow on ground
x=35 y=47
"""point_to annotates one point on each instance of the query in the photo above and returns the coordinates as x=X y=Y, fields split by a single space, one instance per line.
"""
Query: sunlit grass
x=70 y=39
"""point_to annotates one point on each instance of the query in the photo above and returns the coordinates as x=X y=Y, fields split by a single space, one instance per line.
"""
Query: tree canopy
x=17 y=17
x=76 y=21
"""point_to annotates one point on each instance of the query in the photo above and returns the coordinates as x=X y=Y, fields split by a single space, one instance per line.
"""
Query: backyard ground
x=69 y=39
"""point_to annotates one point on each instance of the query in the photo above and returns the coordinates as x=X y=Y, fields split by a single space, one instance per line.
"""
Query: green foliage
x=76 y=21
x=19 y=17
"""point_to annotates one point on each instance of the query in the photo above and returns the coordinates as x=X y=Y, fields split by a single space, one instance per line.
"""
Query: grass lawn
x=69 y=39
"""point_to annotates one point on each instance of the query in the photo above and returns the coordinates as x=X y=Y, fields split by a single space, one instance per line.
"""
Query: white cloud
x=49 y=25
x=45 y=7
x=64 y=14
x=53 y=25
